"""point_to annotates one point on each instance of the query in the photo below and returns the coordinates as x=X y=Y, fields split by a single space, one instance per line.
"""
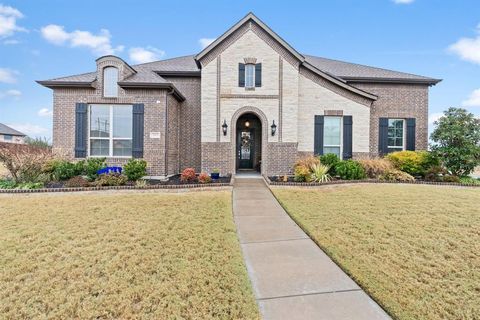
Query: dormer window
x=110 y=79
x=249 y=75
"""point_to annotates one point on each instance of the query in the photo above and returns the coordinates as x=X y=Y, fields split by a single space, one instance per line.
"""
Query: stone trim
x=280 y=98
x=219 y=85
x=233 y=135
x=335 y=88
x=250 y=60
x=248 y=96
x=333 y=113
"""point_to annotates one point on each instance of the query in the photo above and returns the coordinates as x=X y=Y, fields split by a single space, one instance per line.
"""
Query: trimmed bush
x=63 y=170
x=307 y=162
x=350 y=170
x=331 y=161
x=374 y=168
x=450 y=178
x=7 y=184
x=93 y=165
x=110 y=179
x=204 y=178
x=396 y=175
x=77 y=182
x=320 y=173
x=135 y=169
x=188 y=175
x=302 y=174
x=415 y=163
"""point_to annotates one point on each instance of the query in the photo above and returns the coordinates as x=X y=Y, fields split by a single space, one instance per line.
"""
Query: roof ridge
x=142 y=64
x=73 y=75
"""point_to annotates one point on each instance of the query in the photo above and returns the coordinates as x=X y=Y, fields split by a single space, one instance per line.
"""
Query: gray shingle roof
x=4 y=129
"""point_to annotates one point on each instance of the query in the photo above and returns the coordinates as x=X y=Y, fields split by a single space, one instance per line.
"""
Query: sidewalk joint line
x=309 y=294
x=279 y=240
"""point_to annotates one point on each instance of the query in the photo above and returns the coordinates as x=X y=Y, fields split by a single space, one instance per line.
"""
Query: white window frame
x=341 y=137
x=404 y=135
x=252 y=67
x=113 y=84
x=110 y=133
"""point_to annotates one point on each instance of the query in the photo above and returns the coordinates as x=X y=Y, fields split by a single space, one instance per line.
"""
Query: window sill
x=249 y=88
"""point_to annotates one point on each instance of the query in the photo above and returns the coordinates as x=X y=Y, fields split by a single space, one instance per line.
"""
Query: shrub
x=7 y=184
x=457 y=141
x=302 y=174
x=141 y=183
x=415 y=163
x=350 y=170
x=77 y=182
x=204 y=178
x=93 y=165
x=331 y=160
x=64 y=170
x=110 y=179
x=470 y=180
x=450 y=178
x=320 y=173
x=29 y=185
x=24 y=162
x=307 y=162
x=435 y=173
x=374 y=168
x=396 y=175
x=38 y=142
x=188 y=175
x=135 y=169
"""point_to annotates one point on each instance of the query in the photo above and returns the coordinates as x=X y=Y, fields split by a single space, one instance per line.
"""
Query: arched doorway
x=248 y=139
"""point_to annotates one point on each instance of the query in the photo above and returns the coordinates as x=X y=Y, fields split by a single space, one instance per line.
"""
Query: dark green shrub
x=76 y=182
x=435 y=173
x=135 y=169
x=470 y=180
x=350 y=170
x=110 y=179
x=93 y=165
x=7 y=184
x=330 y=160
x=63 y=170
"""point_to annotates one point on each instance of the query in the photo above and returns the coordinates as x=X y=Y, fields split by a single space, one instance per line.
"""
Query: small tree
x=457 y=141
x=24 y=162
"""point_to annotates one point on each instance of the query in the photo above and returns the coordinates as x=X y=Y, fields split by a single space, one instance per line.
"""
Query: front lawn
x=415 y=249
x=122 y=256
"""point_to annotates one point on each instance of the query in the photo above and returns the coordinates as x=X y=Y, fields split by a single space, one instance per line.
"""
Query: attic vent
x=250 y=60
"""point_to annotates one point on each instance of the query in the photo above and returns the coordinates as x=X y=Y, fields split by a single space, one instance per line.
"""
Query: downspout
x=166 y=132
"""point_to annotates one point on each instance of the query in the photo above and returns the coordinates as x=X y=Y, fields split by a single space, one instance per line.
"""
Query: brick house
x=248 y=101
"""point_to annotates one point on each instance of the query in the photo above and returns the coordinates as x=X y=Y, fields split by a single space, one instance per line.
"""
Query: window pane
x=334 y=150
x=99 y=121
x=99 y=147
x=122 y=121
x=332 y=131
x=110 y=79
x=395 y=134
x=7 y=137
x=249 y=75
x=122 y=148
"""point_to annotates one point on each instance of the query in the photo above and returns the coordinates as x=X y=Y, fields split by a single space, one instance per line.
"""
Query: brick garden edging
x=336 y=182
x=179 y=187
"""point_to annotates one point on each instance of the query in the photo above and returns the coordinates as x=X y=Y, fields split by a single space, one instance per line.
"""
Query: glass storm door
x=245 y=149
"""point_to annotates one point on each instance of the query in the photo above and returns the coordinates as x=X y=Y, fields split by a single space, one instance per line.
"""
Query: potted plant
x=215 y=174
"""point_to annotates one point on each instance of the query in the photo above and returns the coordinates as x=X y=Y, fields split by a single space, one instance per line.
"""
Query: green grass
x=122 y=256
x=415 y=249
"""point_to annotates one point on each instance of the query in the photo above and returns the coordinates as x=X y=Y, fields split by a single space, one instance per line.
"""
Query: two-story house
x=248 y=101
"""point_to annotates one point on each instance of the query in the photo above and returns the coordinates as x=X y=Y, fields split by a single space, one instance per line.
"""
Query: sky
x=44 y=39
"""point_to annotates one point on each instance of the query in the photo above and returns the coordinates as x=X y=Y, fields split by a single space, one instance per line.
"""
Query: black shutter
x=258 y=75
x=241 y=75
x=411 y=134
x=137 y=132
x=383 y=136
x=81 y=127
x=347 y=137
x=318 y=136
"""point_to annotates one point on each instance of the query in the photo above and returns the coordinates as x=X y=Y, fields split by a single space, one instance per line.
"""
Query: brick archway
x=233 y=135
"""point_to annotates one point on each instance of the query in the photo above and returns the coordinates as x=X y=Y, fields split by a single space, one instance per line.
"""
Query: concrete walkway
x=292 y=278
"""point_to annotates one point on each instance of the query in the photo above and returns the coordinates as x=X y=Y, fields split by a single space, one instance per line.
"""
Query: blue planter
x=215 y=175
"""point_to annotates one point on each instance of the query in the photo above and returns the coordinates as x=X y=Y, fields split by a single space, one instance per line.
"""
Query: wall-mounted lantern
x=224 y=127
x=274 y=128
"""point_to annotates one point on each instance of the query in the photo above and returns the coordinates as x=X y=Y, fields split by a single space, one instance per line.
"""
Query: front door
x=245 y=148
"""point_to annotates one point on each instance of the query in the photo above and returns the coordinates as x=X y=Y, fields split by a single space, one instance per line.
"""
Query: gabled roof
x=254 y=18
x=4 y=129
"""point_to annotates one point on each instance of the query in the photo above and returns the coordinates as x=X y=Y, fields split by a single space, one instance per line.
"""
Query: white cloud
x=473 y=100
x=29 y=129
x=98 y=43
x=8 y=21
x=45 y=112
x=403 y=1
x=8 y=75
x=10 y=93
x=143 y=55
x=11 y=42
x=205 y=42
x=434 y=117
x=468 y=48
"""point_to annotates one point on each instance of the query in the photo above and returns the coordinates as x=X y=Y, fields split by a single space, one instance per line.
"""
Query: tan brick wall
x=173 y=136
x=398 y=101
x=281 y=158
x=217 y=155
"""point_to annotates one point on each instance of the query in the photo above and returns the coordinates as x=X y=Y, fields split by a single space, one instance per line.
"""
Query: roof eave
x=65 y=84
x=147 y=85
x=340 y=82
x=428 y=81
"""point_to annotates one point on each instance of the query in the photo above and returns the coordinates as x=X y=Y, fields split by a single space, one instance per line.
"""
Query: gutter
x=430 y=82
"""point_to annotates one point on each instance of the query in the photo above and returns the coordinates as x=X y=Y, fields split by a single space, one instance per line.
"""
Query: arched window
x=110 y=79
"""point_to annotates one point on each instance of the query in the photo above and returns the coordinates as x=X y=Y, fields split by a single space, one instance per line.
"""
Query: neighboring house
x=247 y=101
x=11 y=135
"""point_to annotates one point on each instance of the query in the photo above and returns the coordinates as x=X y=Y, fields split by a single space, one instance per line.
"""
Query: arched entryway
x=248 y=143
